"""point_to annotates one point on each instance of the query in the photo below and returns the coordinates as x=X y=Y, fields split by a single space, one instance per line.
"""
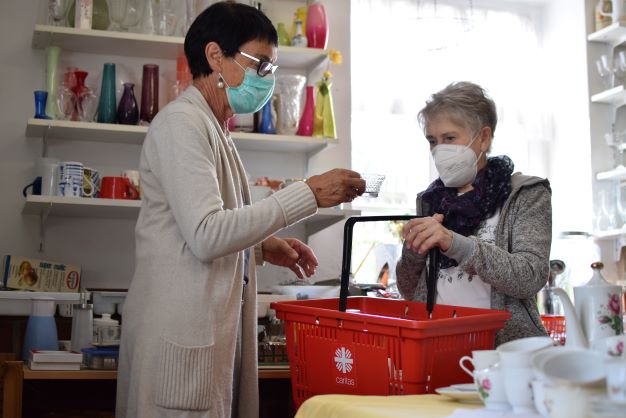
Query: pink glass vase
x=316 y=25
x=305 y=127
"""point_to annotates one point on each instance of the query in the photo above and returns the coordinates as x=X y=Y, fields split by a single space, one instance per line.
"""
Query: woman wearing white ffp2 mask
x=492 y=227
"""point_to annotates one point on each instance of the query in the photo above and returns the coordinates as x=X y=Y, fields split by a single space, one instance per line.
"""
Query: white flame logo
x=343 y=360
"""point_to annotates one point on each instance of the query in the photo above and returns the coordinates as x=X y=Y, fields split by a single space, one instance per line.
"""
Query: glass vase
x=106 y=106
x=283 y=37
x=266 y=124
x=305 y=127
x=149 y=92
x=299 y=39
x=289 y=90
x=127 y=110
x=324 y=121
x=66 y=99
x=52 y=66
x=316 y=25
x=41 y=97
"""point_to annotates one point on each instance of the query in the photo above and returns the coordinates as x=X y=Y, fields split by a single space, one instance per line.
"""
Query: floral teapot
x=598 y=312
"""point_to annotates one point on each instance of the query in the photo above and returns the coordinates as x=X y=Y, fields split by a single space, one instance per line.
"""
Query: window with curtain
x=402 y=51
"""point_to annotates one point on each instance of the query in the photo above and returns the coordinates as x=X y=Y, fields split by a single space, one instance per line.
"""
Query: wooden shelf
x=613 y=35
x=134 y=134
x=149 y=46
x=615 y=96
x=618 y=173
x=129 y=209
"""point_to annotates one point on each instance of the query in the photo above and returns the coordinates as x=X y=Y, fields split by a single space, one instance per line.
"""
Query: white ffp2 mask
x=456 y=164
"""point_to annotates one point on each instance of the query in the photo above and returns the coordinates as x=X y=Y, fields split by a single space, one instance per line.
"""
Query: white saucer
x=461 y=395
x=465 y=387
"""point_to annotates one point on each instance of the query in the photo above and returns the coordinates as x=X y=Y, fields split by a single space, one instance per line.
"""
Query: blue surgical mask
x=252 y=94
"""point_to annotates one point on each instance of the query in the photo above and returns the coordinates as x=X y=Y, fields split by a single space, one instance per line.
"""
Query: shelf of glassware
x=120 y=208
x=134 y=134
x=149 y=46
x=614 y=34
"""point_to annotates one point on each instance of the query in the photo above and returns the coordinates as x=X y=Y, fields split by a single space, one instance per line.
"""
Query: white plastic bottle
x=106 y=331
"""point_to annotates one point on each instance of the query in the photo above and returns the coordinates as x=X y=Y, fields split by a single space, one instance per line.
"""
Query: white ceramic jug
x=598 y=311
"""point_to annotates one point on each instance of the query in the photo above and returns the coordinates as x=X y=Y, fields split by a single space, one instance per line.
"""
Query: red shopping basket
x=555 y=325
x=376 y=346
x=389 y=347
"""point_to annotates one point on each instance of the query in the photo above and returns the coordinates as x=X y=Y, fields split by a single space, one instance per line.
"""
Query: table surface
x=352 y=406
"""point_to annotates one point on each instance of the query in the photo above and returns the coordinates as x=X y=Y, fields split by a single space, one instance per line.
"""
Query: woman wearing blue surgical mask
x=491 y=227
x=189 y=332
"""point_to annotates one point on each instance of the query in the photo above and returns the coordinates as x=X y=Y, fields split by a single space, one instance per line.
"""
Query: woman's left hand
x=292 y=253
x=422 y=234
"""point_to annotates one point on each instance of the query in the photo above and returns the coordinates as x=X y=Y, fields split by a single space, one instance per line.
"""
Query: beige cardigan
x=183 y=308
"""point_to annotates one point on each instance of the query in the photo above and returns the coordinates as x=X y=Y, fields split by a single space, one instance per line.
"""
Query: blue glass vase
x=266 y=125
x=127 y=110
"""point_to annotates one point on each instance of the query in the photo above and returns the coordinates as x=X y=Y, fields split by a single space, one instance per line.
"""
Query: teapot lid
x=597 y=279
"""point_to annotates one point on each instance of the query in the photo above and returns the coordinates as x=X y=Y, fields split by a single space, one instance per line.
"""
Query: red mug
x=118 y=188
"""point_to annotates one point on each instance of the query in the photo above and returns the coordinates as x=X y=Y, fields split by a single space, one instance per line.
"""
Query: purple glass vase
x=305 y=127
x=316 y=25
x=127 y=110
x=149 y=92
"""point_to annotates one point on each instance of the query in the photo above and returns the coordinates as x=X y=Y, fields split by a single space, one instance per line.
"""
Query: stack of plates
x=465 y=392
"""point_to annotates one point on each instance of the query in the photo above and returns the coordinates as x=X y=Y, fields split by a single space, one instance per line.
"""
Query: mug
x=48 y=168
x=564 y=401
x=91 y=182
x=481 y=359
x=117 y=188
x=490 y=385
x=36 y=186
x=70 y=179
x=134 y=177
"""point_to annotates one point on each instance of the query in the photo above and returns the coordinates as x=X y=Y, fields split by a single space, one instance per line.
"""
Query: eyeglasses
x=264 y=68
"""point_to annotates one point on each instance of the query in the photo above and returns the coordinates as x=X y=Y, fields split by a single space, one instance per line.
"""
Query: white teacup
x=481 y=359
x=517 y=386
x=614 y=346
x=566 y=401
x=490 y=386
x=577 y=368
x=517 y=353
x=616 y=380
x=134 y=177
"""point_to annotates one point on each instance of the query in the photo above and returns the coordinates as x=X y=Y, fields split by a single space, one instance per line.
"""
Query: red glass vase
x=305 y=127
x=316 y=25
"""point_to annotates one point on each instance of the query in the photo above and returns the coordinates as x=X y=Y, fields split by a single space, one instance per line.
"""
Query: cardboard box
x=39 y=275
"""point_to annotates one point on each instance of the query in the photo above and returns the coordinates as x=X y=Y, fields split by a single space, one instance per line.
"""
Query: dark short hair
x=466 y=102
x=228 y=24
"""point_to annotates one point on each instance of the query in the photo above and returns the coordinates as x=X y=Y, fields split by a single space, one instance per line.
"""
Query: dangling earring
x=220 y=82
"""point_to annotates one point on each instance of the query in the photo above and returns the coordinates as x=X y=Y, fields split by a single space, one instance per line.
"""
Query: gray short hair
x=465 y=103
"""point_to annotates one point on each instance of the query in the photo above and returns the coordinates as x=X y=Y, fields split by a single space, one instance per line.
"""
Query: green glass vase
x=324 y=118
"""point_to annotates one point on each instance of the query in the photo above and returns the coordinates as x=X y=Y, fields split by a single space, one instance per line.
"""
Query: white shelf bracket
x=43 y=218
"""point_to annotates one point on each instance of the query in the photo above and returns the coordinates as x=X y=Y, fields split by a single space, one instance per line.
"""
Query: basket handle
x=347 y=250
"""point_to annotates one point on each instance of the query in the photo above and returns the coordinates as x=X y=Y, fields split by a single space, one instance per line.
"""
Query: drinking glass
x=57 y=11
x=619 y=65
x=605 y=70
x=165 y=18
x=117 y=13
x=133 y=14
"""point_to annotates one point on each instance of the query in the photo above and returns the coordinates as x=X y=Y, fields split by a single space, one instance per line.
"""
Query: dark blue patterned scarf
x=463 y=214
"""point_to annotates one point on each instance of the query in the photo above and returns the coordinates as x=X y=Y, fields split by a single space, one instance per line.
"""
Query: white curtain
x=402 y=51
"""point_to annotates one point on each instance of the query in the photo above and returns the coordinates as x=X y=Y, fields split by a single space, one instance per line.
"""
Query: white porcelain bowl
x=579 y=368
x=539 y=357
x=517 y=353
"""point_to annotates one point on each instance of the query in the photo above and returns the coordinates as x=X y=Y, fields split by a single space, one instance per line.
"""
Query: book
x=54 y=356
x=37 y=365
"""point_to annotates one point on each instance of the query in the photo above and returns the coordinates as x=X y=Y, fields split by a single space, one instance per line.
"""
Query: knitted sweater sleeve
x=185 y=164
x=521 y=270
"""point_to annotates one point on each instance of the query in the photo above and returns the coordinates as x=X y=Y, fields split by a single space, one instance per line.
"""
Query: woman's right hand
x=336 y=186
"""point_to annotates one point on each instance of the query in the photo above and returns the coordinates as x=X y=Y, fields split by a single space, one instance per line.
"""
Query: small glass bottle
x=299 y=39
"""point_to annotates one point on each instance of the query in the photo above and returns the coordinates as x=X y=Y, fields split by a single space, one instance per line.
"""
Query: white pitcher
x=598 y=311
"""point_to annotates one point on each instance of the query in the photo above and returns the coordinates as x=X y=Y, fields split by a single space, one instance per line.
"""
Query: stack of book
x=55 y=360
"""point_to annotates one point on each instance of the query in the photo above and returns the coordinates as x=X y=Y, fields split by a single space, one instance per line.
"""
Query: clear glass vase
x=289 y=91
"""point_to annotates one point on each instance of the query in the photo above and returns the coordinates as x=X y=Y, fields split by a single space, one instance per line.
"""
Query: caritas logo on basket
x=344 y=364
